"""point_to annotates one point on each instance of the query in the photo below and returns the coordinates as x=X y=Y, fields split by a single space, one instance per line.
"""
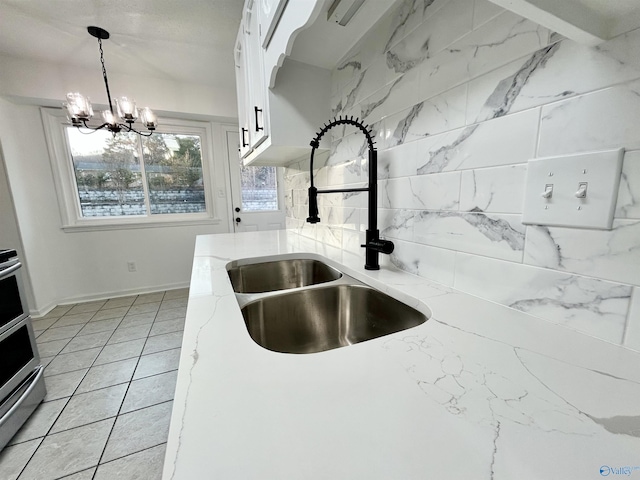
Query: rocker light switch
x=577 y=190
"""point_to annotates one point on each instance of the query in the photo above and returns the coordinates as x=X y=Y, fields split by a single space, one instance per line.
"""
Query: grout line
x=120 y=458
x=156 y=374
x=75 y=473
x=142 y=408
x=104 y=448
x=119 y=325
x=32 y=455
x=68 y=399
x=627 y=320
x=106 y=418
x=114 y=361
x=79 y=383
x=98 y=421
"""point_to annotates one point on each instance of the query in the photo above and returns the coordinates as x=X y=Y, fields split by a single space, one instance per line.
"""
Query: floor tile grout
x=67 y=402
x=110 y=461
x=66 y=341
x=108 y=363
x=102 y=309
x=153 y=322
x=104 y=448
x=48 y=434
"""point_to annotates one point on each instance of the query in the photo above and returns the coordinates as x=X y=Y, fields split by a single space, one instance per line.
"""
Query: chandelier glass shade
x=80 y=111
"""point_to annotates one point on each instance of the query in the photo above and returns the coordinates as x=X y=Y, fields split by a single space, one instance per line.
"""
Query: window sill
x=135 y=223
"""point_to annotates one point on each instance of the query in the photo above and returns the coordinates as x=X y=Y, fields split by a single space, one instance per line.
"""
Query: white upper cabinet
x=295 y=17
x=284 y=56
x=257 y=89
x=242 y=93
x=270 y=11
x=277 y=122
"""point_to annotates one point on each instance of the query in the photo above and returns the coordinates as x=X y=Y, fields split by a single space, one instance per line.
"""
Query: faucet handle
x=382 y=246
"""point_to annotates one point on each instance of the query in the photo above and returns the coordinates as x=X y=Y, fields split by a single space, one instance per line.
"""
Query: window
x=259 y=187
x=127 y=174
x=127 y=179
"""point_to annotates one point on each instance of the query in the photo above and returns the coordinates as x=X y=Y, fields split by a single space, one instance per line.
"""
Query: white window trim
x=55 y=122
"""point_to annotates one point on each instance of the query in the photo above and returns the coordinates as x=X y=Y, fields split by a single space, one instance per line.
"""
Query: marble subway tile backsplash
x=610 y=254
x=494 y=235
x=632 y=333
x=485 y=11
x=460 y=95
x=594 y=121
x=452 y=22
x=628 y=203
x=435 y=115
x=433 y=192
x=594 y=306
x=503 y=141
x=428 y=262
x=555 y=72
x=495 y=189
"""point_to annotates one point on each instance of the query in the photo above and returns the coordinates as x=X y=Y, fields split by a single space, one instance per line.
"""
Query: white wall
x=461 y=95
x=9 y=231
x=68 y=267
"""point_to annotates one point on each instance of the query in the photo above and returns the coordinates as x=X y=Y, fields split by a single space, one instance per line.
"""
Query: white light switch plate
x=600 y=171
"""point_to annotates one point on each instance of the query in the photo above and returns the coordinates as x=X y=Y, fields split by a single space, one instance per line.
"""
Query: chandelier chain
x=104 y=74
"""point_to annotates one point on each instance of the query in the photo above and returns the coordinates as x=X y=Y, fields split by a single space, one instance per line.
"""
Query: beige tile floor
x=111 y=369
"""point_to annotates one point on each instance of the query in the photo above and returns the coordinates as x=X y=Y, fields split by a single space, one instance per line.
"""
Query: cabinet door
x=240 y=56
x=257 y=108
x=270 y=12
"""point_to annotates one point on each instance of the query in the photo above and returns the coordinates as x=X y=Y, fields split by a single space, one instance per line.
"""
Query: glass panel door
x=256 y=193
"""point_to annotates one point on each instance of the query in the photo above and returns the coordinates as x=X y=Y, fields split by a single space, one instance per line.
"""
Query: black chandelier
x=79 y=110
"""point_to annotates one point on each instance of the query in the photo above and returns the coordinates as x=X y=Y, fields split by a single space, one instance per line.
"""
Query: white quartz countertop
x=479 y=391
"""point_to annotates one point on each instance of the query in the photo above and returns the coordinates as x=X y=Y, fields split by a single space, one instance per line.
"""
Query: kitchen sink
x=283 y=274
x=326 y=317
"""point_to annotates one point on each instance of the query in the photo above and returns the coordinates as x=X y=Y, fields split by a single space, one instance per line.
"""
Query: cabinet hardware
x=244 y=143
x=256 y=110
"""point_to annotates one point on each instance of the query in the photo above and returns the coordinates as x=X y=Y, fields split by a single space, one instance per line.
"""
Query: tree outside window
x=259 y=188
x=127 y=174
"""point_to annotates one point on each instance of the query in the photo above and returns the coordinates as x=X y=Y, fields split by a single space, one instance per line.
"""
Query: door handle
x=238 y=219
x=8 y=271
x=244 y=131
x=237 y=209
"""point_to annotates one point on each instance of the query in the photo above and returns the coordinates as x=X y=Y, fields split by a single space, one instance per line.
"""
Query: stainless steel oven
x=21 y=374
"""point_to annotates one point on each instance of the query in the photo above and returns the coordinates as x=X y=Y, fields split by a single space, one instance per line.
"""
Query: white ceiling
x=182 y=40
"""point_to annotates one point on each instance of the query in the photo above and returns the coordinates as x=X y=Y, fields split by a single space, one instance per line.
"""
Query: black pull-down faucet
x=374 y=245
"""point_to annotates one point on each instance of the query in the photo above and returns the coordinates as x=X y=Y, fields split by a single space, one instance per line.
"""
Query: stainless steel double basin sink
x=302 y=305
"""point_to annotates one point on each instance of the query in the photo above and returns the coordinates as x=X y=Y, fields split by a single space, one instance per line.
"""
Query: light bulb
x=78 y=107
x=148 y=118
x=109 y=117
x=127 y=109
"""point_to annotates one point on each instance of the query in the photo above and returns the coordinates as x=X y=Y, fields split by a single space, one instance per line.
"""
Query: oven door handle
x=8 y=271
x=24 y=395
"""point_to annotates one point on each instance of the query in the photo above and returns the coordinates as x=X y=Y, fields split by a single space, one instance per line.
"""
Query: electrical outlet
x=131 y=266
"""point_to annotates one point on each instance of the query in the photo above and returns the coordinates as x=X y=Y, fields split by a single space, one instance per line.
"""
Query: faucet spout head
x=313 y=206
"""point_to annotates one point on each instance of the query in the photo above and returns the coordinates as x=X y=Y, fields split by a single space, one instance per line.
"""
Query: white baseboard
x=41 y=312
